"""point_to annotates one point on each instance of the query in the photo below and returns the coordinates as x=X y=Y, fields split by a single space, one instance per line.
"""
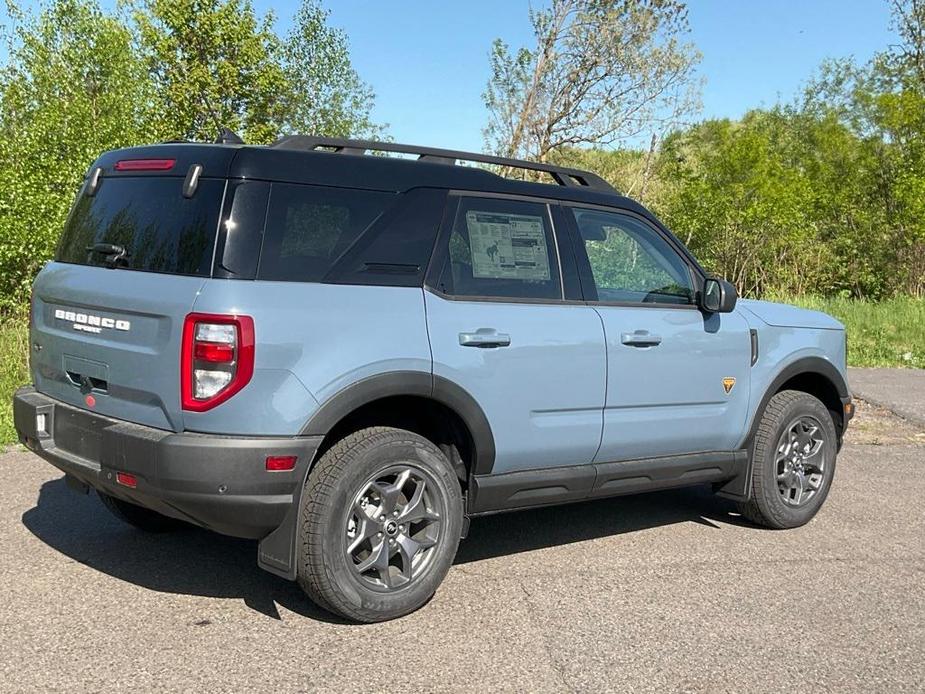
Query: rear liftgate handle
x=484 y=337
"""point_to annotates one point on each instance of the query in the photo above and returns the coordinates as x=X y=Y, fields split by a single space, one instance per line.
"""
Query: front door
x=677 y=379
x=501 y=327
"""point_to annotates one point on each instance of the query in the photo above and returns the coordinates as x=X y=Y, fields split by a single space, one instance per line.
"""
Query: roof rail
x=564 y=176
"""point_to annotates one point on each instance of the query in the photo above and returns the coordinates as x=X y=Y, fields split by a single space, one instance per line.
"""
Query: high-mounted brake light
x=145 y=164
x=216 y=359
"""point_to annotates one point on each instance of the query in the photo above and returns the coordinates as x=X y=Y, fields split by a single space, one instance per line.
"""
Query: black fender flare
x=799 y=367
x=277 y=551
x=422 y=384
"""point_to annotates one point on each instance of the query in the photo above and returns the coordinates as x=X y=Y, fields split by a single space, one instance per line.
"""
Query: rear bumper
x=218 y=482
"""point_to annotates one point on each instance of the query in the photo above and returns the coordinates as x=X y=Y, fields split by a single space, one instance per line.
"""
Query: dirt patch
x=877 y=426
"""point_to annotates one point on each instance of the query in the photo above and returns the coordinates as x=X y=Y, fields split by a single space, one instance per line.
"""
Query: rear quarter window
x=147 y=216
x=308 y=228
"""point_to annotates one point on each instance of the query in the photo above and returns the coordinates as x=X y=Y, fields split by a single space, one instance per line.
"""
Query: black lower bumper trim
x=218 y=482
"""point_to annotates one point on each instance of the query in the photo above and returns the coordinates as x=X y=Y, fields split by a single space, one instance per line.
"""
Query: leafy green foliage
x=212 y=63
x=600 y=71
x=79 y=80
x=14 y=372
x=70 y=90
x=325 y=95
x=824 y=196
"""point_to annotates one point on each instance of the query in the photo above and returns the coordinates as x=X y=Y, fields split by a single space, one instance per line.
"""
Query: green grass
x=886 y=333
x=14 y=372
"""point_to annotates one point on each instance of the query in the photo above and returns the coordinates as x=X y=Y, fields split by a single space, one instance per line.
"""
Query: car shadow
x=524 y=531
x=194 y=561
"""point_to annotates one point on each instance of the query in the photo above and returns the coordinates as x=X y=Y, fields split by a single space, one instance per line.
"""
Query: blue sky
x=427 y=60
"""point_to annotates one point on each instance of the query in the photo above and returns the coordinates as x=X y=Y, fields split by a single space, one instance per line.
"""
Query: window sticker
x=507 y=246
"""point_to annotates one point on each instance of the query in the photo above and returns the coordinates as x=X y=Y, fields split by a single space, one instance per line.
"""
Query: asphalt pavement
x=899 y=390
x=663 y=592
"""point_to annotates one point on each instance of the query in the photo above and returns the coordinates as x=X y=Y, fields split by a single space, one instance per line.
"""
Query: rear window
x=148 y=217
x=309 y=227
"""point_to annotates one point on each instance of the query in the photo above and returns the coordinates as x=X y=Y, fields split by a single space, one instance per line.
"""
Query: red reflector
x=215 y=352
x=126 y=479
x=145 y=164
x=280 y=463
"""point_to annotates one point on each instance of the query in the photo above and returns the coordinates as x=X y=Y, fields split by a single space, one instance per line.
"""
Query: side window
x=502 y=248
x=631 y=262
x=396 y=249
x=309 y=227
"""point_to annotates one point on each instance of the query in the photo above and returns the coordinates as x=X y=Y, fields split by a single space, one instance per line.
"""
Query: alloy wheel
x=800 y=461
x=393 y=527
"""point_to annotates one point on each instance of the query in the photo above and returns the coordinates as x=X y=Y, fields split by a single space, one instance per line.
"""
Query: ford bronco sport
x=347 y=357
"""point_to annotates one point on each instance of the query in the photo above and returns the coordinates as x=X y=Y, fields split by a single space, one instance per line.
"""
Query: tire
x=380 y=522
x=793 y=466
x=142 y=518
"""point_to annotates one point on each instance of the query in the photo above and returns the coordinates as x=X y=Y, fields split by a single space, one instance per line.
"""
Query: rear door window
x=309 y=227
x=148 y=219
x=502 y=248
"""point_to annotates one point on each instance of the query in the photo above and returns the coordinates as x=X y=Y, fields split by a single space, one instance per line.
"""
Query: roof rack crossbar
x=563 y=175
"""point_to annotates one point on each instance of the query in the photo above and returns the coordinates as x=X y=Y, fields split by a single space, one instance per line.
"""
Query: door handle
x=484 y=337
x=640 y=338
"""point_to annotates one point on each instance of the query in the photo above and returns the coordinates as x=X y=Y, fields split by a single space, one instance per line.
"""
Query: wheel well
x=820 y=387
x=439 y=424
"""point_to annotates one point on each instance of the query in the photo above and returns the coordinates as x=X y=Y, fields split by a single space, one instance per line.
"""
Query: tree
x=601 y=72
x=214 y=64
x=72 y=87
x=325 y=95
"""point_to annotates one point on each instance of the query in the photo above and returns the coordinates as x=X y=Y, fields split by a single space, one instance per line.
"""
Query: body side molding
x=728 y=470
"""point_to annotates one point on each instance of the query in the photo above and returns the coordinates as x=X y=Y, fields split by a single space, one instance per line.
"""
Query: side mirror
x=718 y=296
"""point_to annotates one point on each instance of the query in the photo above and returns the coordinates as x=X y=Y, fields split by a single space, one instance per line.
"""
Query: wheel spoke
x=416 y=509
x=815 y=459
x=797 y=487
x=366 y=529
x=804 y=437
x=389 y=493
x=378 y=560
x=407 y=548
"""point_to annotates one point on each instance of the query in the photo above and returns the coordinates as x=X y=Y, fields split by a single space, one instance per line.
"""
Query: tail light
x=216 y=360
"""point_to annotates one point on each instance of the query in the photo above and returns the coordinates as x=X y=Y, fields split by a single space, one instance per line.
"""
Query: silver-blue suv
x=348 y=356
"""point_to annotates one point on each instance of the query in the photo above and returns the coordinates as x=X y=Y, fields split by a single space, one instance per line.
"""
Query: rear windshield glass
x=147 y=217
x=308 y=228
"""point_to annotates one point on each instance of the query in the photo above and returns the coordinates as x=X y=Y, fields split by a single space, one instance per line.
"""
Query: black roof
x=316 y=161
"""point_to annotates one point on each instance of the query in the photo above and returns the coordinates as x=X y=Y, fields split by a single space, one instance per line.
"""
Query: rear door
x=501 y=326
x=108 y=312
x=677 y=379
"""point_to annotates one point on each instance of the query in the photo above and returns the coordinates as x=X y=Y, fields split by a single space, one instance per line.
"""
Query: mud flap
x=738 y=488
x=276 y=552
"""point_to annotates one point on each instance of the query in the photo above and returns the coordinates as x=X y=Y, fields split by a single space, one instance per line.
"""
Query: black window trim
x=588 y=285
x=441 y=251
